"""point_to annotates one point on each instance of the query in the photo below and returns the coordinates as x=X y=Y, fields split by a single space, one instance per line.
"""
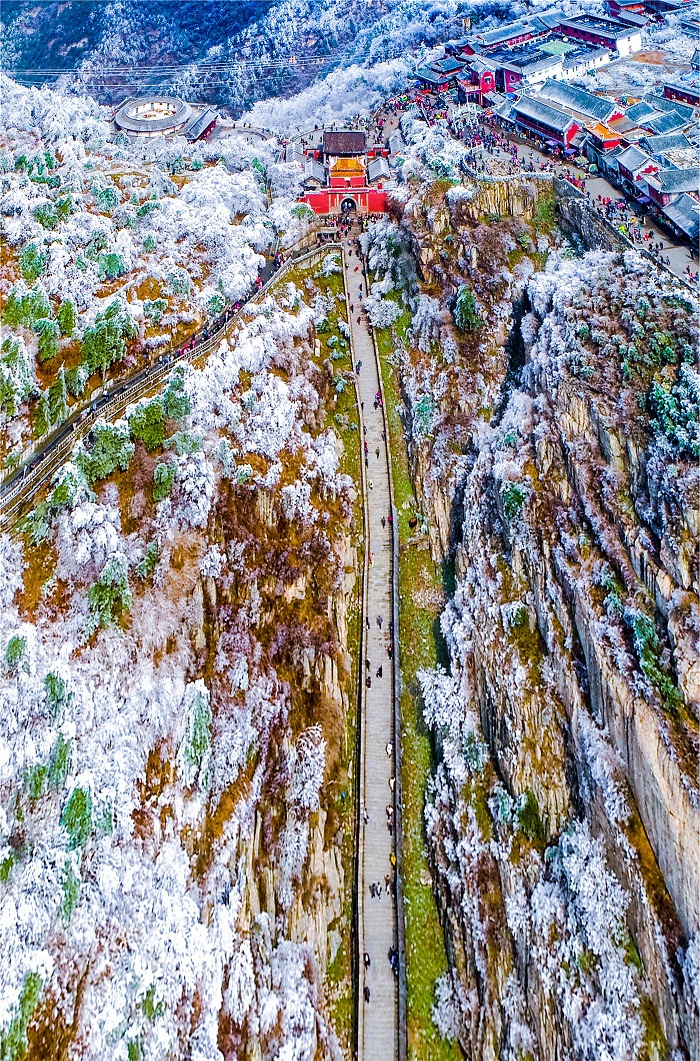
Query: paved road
x=678 y=253
x=377 y=1017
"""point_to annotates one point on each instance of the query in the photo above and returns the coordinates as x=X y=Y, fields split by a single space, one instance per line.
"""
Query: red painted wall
x=348 y=182
x=328 y=200
x=690 y=94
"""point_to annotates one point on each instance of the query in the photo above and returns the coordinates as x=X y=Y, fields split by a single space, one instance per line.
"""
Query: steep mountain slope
x=267 y=49
x=178 y=616
x=553 y=439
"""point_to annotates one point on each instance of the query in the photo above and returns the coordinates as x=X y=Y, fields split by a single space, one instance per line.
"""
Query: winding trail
x=377 y=1017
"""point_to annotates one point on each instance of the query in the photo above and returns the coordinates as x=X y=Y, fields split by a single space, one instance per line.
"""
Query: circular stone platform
x=153 y=115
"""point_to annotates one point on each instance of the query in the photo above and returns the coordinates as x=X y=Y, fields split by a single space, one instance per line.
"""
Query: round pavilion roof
x=153 y=114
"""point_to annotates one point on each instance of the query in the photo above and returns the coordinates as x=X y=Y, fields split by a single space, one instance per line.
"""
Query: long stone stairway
x=377 y=1033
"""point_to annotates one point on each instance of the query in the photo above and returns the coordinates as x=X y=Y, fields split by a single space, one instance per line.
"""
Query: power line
x=285 y=66
x=174 y=68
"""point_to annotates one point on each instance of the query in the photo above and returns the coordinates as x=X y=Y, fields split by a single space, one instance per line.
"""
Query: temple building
x=344 y=176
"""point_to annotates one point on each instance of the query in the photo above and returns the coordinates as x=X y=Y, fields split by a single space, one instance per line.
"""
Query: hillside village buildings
x=523 y=75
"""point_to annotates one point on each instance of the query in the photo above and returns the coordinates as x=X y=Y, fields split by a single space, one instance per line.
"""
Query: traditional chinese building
x=348 y=180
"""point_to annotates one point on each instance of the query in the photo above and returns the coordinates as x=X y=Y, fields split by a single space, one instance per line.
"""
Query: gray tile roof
x=578 y=99
x=657 y=145
x=550 y=19
x=345 y=142
x=528 y=107
x=633 y=18
x=295 y=153
x=314 y=171
x=378 y=167
x=396 y=143
x=685 y=214
x=447 y=65
x=200 y=122
x=431 y=77
x=506 y=33
x=581 y=58
x=666 y=123
x=597 y=24
x=691 y=85
x=660 y=103
x=640 y=110
x=633 y=159
x=671 y=181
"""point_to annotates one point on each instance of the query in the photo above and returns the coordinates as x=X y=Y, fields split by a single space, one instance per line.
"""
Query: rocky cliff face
x=559 y=469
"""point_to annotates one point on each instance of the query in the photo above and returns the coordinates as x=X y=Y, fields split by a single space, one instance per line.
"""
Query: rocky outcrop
x=567 y=726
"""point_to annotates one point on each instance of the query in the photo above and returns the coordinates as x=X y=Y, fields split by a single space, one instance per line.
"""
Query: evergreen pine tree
x=58 y=406
x=67 y=318
x=42 y=420
x=466 y=316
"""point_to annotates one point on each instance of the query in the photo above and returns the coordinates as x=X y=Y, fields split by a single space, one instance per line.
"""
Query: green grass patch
x=426 y=960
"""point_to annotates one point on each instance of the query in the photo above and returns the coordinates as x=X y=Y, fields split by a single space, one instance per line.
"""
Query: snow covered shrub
x=648 y=649
x=69 y=489
x=445 y=1008
x=307 y=767
x=425 y=327
x=196 y=488
x=53 y=405
x=146 y=566
x=24 y=306
x=32 y=263
x=104 y=341
x=382 y=312
x=163 y=479
x=147 y=424
x=691 y=966
x=110 y=448
x=513 y=496
x=110 y=596
x=14 y=651
x=66 y=318
x=13 y=1038
x=677 y=411
x=389 y=254
x=177 y=404
x=331 y=264
x=291 y=855
x=48 y=332
x=423 y=416
x=77 y=817
x=17 y=377
x=527 y=817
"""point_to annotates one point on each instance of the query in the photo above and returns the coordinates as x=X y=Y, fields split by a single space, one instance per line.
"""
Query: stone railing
x=595 y=231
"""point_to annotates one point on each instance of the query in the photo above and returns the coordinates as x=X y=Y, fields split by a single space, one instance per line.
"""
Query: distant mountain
x=232 y=53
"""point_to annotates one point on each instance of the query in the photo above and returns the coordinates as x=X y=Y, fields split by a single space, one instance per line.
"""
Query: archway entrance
x=348 y=206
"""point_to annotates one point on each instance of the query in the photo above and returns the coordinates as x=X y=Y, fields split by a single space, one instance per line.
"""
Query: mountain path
x=377 y=1002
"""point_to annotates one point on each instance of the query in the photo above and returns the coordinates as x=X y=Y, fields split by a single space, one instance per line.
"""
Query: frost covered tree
x=465 y=313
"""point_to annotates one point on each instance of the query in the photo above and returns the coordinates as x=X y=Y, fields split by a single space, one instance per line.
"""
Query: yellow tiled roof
x=346 y=165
